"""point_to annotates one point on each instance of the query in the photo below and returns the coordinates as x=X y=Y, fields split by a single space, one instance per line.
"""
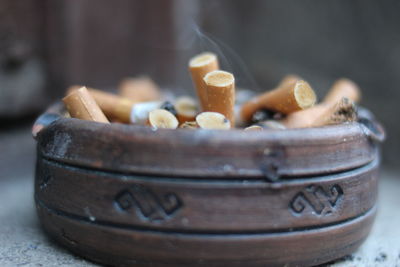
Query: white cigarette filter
x=140 y=111
x=212 y=120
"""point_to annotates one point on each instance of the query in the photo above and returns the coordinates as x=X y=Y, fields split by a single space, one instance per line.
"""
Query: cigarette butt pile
x=292 y=104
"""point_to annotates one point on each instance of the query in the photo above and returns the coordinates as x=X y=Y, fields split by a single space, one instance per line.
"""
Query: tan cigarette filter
x=81 y=105
x=140 y=89
x=285 y=99
x=343 y=88
x=161 y=118
x=199 y=66
x=113 y=106
x=323 y=114
x=186 y=109
x=212 y=120
x=220 y=90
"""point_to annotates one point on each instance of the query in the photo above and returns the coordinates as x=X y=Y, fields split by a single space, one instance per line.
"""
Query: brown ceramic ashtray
x=128 y=195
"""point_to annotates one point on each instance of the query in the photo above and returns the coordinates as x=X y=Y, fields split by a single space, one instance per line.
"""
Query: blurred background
x=47 y=45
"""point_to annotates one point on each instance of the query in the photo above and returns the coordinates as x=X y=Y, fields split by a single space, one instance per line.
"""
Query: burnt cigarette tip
x=346 y=111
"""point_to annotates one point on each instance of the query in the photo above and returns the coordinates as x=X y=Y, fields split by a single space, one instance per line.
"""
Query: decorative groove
x=147 y=204
x=322 y=202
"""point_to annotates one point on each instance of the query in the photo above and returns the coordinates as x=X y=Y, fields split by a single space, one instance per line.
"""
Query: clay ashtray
x=128 y=195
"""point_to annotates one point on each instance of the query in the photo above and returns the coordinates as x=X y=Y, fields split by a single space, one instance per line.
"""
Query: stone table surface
x=22 y=242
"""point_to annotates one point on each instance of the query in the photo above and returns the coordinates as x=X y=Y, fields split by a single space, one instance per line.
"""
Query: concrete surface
x=22 y=242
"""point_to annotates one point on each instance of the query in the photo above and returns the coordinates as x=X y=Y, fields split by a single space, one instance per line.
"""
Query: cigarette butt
x=293 y=96
x=140 y=89
x=81 y=105
x=189 y=125
x=288 y=80
x=323 y=114
x=115 y=107
x=199 y=66
x=253 y=128
x=220 y=89
x=212 y=120
x=343 y=88
x=186 y=109
x=285 y=99
x=161 y=118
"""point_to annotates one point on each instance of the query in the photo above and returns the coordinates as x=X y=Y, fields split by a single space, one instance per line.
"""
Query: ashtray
x=130 y=195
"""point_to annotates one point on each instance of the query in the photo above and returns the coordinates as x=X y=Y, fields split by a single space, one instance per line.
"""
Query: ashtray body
x=131 y=196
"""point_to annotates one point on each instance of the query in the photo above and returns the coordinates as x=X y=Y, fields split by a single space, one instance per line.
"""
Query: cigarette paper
x=220 y=90
x=288 y=98
x=161 y=118
x=343 y=111
x=323 y=114
x=212 y=120
x=115 y=107
x=199 y=66
x=81 y=105
x=140 y=89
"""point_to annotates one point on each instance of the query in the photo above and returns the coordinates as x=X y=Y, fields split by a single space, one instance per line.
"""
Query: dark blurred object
x=97 y=43
x=22 y=74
